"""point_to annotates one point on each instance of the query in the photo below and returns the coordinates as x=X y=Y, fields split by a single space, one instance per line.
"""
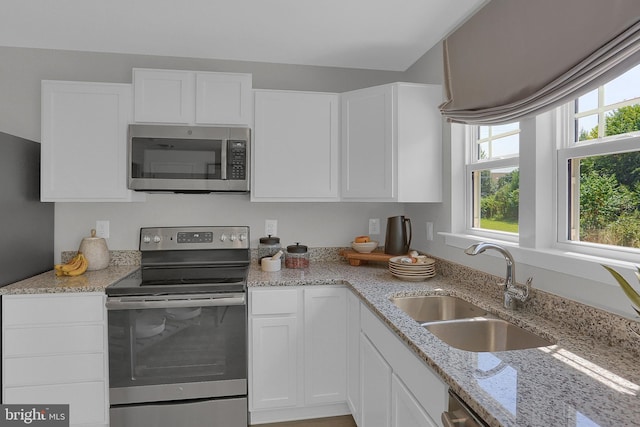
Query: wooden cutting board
x=357 y=258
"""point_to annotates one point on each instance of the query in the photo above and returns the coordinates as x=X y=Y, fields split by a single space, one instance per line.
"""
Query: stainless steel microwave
x=188 y=159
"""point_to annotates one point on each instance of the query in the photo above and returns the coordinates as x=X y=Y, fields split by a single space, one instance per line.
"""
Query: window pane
x=588 y=101
x=587 y=127
x=622 y=120
x=509 y=127
x=496 y=199
x=625 y=87
x=483 y=151
x=496 y=142
x=505 y=147
x=605 y=201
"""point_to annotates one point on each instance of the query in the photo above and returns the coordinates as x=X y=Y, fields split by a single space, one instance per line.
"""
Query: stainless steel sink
x=485 y=334
x=429 y=308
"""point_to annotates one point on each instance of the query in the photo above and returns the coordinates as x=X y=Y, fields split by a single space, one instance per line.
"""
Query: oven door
x=177 y=347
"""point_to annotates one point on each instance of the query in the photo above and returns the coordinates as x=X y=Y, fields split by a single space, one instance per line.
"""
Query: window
x=494 y=178
x=602 y=160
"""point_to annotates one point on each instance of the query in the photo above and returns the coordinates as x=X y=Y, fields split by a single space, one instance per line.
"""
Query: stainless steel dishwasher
x=460 y=415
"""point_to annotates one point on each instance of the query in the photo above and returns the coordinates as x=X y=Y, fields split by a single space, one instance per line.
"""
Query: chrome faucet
x=512 y=291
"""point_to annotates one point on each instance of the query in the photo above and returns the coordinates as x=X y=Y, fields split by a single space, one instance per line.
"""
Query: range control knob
x=156 y=239
x=223 y=237
x=233 y=237
x=146 y=239
x=243 y=237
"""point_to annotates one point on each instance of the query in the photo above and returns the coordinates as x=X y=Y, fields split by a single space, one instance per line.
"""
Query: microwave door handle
x=223 y=158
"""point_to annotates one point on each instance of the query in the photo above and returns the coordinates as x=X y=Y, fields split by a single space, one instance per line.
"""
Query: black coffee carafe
x=398 y=239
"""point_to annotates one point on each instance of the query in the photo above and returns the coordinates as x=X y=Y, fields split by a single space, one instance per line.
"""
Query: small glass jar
x=268 y=247
x=297 y=256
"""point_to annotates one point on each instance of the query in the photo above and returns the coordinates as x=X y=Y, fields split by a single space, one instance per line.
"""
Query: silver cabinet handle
x=446 y=420
x=133 y=304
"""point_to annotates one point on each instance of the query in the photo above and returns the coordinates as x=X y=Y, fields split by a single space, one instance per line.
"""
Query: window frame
x=474 y=164
x=569 y=148
x=542 y=214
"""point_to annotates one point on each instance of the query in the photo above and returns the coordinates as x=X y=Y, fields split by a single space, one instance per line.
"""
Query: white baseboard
x=292 y=414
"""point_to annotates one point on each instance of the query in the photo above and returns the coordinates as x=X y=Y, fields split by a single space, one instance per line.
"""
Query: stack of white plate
x=403 y=268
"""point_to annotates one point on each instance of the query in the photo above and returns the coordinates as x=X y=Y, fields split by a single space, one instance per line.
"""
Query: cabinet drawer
x=53 y=369
x=53 y=340
x=87 y=401
x=279 y=301
x=48 y=309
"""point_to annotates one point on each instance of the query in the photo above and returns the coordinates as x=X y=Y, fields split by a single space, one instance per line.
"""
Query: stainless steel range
x=178 y=331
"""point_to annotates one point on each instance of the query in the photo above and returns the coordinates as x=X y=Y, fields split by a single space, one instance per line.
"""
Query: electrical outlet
x=429 y=231
x=374 y=225
x=271 y=227
x=102 y=229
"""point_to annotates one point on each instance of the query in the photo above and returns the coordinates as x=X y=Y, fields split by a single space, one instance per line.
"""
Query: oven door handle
x=136 y=304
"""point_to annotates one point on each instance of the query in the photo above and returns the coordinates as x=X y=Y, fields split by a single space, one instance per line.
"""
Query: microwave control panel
x=237 y=155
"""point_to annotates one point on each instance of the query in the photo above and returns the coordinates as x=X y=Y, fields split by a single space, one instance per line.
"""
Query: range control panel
x=189 y=238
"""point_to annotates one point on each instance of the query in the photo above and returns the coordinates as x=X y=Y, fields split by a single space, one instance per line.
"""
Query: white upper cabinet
x=392 y=143
x=84 y=140
x=295 y=151
x=190 y=97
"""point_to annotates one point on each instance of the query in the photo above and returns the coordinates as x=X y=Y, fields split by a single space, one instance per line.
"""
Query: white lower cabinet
x=54 y=351
x=375 y=374
x=353 y=355
x=297 y=347
x=397 y=389
x=406 y=411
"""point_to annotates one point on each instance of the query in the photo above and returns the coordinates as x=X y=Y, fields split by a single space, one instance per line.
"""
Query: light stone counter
x=90 y=281
x=580 y=381
x=590 y=377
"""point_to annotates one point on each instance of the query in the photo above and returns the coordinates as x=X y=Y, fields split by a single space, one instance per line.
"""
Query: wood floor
x=345 y=421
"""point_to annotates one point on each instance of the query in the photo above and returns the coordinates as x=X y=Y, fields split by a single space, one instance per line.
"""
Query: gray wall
x=21 y=71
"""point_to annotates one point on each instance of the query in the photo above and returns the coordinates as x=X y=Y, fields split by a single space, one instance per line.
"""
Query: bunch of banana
x=74 y=267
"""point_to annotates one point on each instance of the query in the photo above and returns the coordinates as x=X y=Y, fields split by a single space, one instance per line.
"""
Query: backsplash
x=116 y=257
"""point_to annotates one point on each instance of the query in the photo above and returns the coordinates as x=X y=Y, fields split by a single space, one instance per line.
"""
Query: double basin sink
x=466 y=326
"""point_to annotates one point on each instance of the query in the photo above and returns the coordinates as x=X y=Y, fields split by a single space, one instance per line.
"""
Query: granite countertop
x=579 y=381
x=90 y=281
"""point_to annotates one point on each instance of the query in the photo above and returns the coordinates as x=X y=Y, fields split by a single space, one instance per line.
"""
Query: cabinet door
x=419 y=142
x=274 y=359
x=84 y=139
x=163 y=96
x=325 y=357
x=223 y=98
x=405 y=409
x=375 y=386
x=368 y=156
x=52 y=357
x=295 y=146
x=353 y=355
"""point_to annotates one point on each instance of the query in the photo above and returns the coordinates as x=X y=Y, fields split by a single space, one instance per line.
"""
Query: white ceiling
x=372 y=34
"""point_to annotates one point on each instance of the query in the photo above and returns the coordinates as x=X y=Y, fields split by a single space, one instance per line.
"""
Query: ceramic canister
x=95 y=251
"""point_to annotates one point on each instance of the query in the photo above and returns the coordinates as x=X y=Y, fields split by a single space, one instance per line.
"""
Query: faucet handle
x=521 y=293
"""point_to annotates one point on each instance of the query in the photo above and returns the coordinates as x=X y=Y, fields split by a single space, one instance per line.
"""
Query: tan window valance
x=518 y=58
